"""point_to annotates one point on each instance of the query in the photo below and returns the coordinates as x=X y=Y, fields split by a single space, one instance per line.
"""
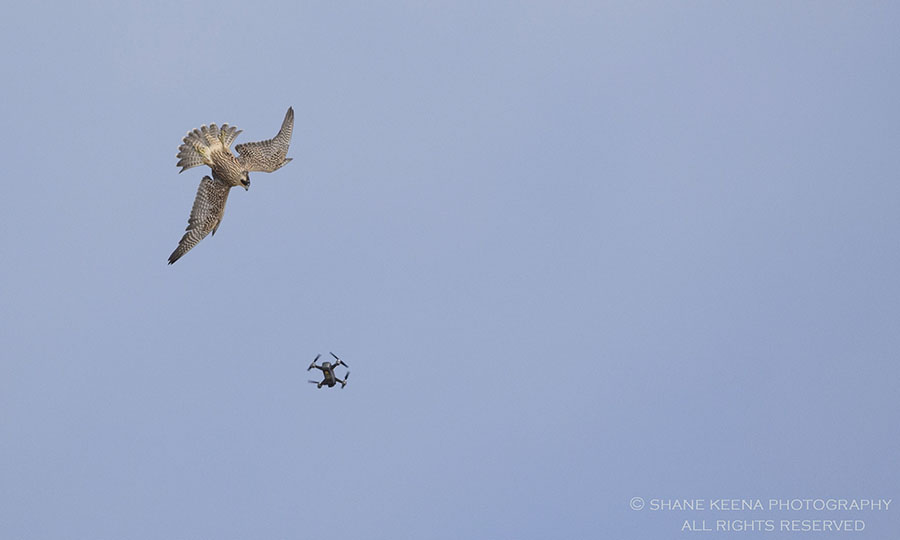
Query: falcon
x=211 y=146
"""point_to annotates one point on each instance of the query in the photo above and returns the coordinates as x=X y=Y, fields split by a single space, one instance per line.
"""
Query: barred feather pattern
x=206 y=215
x=210 y=145
x=269 y=155
x=228 y=134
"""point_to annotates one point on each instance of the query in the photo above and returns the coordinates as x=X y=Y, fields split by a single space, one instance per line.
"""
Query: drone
x=328 y=370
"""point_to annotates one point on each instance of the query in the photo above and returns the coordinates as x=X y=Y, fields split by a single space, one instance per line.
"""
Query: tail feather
x=198 y=144
x=227 y=134
x=211 y=134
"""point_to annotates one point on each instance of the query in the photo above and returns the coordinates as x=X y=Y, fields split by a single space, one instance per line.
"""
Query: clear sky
x=574 y=253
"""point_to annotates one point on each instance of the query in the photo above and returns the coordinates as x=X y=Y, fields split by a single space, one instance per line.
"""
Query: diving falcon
x=210 y=146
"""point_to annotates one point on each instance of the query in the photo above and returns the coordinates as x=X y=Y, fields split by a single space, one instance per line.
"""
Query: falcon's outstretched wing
x=206 y=215
x=270 y=155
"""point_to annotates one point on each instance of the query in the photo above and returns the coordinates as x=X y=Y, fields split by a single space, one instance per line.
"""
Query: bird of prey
x=210 y=146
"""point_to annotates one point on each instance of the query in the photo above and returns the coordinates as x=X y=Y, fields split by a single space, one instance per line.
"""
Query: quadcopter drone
x=328 y=370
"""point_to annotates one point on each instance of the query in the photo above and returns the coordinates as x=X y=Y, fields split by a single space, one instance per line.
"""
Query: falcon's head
x=245 y=181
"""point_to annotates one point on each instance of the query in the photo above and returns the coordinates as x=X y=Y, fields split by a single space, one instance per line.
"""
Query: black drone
x=328 y=370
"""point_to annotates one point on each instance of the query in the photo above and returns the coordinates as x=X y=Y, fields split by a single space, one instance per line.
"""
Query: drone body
x=327 y=369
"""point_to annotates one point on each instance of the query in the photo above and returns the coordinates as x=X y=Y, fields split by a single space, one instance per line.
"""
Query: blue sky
x=574 y=253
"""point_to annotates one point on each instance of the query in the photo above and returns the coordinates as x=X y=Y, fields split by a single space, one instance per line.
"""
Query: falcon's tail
x=198 y=144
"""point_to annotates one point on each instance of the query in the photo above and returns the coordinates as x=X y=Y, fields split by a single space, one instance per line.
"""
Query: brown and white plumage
x=206 y=215
x=211 y=146
x=269 y=155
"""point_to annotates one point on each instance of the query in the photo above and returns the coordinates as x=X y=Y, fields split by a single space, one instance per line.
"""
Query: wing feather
x=206 y=215
x=269 y=155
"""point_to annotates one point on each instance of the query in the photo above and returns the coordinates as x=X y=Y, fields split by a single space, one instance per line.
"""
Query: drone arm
x=339 y=361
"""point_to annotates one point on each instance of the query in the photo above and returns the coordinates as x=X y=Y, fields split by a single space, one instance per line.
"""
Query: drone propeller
x=313 y=362
x=344 y=382
x=314 y=382
x=339 y=361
